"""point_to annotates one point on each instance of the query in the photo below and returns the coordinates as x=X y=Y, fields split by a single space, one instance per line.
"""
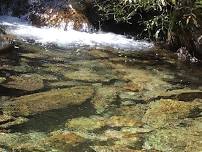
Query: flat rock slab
x=54 y=99
x=25 y=82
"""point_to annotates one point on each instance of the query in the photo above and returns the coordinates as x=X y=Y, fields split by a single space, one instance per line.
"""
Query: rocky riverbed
x=98 y=100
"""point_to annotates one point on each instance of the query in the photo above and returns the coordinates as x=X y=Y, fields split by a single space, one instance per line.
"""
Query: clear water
x=73 y=92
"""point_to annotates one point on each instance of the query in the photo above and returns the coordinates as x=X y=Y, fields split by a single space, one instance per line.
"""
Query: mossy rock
x=85 y=124
x=25 y=82
x=54 y=99
x=167 y=112
x=175 y=140
x=96 y=122
x=2 y=79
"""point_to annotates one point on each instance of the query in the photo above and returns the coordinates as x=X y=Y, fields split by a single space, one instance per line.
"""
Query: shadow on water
x=11 y=92
x=54 y=119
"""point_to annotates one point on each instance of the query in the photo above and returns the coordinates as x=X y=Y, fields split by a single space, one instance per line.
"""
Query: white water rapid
x=71 y=38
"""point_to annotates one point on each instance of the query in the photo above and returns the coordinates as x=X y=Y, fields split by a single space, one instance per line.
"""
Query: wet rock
x=175 y=140
x=64 y=139
x=96 y=122
x=85 y=75
x=5 y=118
x=8 y=121
x=64 y=18
x=135 y=130
x=104 y=96
x=128 y=96
x=133 y=87
x=92 y=136
x=54 y=99
x=25 y=82
x=121 y=121
x=56 y=68
x=114 y=149
x=8 y=139
x=91 y=71
x=62 y=84
x=124 y=138
x=183 y=94
x=165 y=113
x=24 y=142
x=142 y=85
x=2 y=79
x=136 y=111
x=97 y=53
x=183 y=54
x=24 y=68
x=85 y=124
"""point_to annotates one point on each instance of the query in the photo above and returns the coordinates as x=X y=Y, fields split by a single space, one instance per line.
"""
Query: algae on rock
x=54 y=99
x=167 y=112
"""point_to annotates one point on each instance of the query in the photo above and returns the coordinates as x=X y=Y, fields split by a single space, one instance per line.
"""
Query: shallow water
x=103 y=100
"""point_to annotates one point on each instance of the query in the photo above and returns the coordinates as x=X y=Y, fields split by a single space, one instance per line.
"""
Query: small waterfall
x=70 y=38
x=50 y=13
x=57 y=23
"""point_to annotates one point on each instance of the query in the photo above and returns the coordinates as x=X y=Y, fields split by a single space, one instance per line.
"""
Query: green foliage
x=169 y=20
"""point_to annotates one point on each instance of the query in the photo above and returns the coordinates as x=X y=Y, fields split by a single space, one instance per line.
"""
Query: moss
x=166 y=112
x=54 y=99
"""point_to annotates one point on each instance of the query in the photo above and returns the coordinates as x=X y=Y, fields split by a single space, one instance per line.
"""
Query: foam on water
x=71 y=38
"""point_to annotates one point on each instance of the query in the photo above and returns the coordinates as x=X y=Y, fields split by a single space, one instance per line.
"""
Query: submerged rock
x=2 y=79
x=165 y=113
x=124 y=138
x=85 y=75
x=8 y=121
x=33 y=141
x=96 y=122
x=91 y=71
x=25 y=82
x=115 y=149
x=142 y=85
x=175 y=140
x=123 y=121
x=85 y=124
x=104 y=97
x=54 y=99
x=64 y=140
x=136 y=111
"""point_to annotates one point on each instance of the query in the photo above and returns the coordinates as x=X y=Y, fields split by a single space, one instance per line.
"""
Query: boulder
x=64 y=18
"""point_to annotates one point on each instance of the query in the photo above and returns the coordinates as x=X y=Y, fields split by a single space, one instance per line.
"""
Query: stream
x=71 y=91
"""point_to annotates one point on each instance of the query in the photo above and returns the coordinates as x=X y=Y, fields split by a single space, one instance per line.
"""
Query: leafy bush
x=173 y=21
